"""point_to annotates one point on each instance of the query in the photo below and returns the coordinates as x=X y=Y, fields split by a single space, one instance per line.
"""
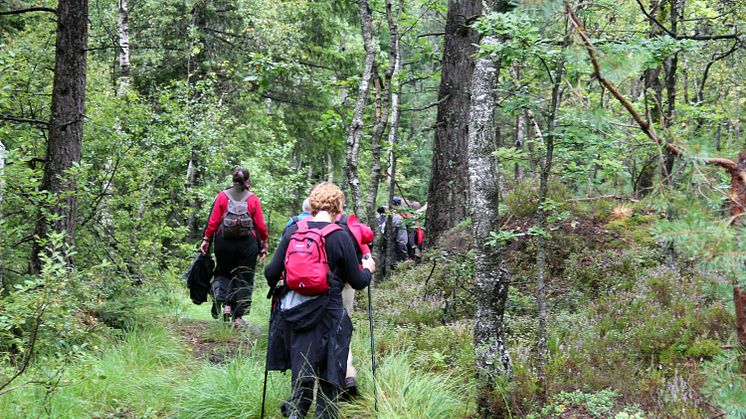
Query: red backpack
x=306 y=263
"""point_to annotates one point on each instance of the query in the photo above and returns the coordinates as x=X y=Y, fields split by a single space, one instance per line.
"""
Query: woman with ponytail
x=236 y=225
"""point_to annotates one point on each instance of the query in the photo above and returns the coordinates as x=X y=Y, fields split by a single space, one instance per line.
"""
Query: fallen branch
x=598 y=198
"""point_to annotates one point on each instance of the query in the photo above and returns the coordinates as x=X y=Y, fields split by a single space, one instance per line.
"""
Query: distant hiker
x=400 y=232
x=416 y=234
x=310 y=331
x=305 y=212
x=362 y=238
x=237 y=226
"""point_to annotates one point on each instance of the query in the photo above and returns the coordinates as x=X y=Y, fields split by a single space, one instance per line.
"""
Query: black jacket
x=199 y=276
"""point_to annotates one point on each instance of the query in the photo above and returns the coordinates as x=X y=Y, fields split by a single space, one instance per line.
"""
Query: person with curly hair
x=310 y=334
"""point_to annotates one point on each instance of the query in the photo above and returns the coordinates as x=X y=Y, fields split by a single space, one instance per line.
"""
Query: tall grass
x=233 y=390
x=135 y=378
x=405 y=392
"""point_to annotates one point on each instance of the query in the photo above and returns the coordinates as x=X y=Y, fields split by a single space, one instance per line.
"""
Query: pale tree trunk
x=66 y=124
x=352 y=181
x=329 y=168
x=375 y=150
x=393 y=138
x=520 y=128
x=383 y=101
x=448 y=190
x=124 y=47
x=195 y=72
x=491 y=288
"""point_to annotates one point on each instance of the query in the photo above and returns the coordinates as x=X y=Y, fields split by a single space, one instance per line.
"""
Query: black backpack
x=237 y=221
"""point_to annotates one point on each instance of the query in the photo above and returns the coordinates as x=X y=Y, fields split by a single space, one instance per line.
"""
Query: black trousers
x=236 y=259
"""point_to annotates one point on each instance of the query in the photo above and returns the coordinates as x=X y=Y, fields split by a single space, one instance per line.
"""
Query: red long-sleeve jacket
x=220 y=207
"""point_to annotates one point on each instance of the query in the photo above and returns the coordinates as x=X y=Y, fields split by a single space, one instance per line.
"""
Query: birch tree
x=491 y=289
x=352 y=148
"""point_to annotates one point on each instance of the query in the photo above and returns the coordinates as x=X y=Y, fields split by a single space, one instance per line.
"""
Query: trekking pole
x=372 y=348
x=266 y=357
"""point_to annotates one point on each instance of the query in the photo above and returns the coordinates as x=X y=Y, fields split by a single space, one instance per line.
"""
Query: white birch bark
x=491 y=289
x=356 y=127
x=124 y=46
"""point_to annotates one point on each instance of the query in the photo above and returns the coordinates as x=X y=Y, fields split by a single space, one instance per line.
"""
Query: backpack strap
x=329 y=229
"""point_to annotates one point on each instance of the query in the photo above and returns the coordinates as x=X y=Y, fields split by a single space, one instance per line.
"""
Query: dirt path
x=215 y=341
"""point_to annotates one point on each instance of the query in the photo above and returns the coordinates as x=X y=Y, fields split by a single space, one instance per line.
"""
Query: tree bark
x=352 y=181
x=383 y=102
x=124 y=47
x=393 y=138
x=66 y=125
x=447 y=194
x=491 y=288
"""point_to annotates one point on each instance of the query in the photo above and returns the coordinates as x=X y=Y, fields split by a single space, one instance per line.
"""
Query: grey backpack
x=237 y=222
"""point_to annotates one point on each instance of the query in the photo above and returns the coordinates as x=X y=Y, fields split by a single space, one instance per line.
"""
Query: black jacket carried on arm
x=198 y=277
x=313 y=337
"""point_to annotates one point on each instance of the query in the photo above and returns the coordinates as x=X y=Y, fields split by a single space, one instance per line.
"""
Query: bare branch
x=10 y=118
x=692 y=37
x=28 y=10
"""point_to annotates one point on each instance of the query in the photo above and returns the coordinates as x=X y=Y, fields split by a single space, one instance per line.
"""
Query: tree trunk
x=383 y=101
x=124 y=46
x=393 y=138
x=356 y=127
x=491 y=289
x=546 y=169
x=447 y=194
x=66 y=125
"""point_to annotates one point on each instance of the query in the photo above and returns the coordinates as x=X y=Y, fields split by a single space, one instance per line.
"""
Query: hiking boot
x=214 y=310
x=227 y=313
x=239 y=322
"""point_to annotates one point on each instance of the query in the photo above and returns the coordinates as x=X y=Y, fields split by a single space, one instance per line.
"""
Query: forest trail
x=214 y=341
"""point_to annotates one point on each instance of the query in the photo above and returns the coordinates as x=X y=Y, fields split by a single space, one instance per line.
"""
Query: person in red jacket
x=236 y=225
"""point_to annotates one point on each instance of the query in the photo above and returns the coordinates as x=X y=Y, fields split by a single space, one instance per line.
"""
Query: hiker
x=400 y=232
x=362 y=238
x=237 y=227
x=305 y=213
x=416 y=234
x=310 y=330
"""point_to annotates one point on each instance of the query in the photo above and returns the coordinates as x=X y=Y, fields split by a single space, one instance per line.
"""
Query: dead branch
x=28 y=10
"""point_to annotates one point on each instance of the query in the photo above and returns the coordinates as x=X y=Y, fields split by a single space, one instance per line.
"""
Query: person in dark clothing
x=236 y=253
x=310 y=335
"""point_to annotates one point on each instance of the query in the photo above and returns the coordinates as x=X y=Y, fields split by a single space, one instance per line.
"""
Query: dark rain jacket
x=199 y=276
